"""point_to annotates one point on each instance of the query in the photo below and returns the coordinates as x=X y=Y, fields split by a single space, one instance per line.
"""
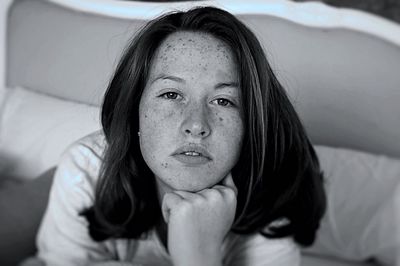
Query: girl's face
x=190 y=121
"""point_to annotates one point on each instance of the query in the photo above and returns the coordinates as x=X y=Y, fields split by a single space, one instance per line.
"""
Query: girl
x=202 y=159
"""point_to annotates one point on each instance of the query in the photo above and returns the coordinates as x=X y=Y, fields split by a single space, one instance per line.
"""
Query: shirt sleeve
x=63 y=237
x=257 y=250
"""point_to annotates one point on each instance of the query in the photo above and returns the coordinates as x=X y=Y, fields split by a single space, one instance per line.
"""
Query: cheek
x=230 y=133
x=231 y=124
x=155 y=125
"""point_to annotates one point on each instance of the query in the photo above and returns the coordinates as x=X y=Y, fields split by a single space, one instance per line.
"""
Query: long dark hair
x=277 y=174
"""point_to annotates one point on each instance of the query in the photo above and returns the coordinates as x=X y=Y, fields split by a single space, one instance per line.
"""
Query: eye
x=223 y=102
x=170 y=95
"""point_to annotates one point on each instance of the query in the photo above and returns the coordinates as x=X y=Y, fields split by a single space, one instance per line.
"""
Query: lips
x=192 y=154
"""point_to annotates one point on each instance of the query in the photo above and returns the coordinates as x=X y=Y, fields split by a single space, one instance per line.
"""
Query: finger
x=170 y=200
x=228 y=182
x=186 y=195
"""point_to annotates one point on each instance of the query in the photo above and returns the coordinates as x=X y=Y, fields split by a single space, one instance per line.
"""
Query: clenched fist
x=198 y=223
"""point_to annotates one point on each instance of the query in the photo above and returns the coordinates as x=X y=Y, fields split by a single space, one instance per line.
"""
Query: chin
x=190 y=180
x=194 y=186
x=191 y=188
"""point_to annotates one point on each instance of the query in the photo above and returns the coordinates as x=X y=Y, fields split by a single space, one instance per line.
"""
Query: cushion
x=36 y=128
x=313 y=260
x=362 y=219
x=3 y=93
x=22 y=205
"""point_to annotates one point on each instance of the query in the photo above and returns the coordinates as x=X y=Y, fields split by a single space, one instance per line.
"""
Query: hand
x=198 y=223
x=112 y=263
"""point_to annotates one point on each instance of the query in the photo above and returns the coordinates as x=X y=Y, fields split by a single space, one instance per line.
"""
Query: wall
x=3 y=15
x=389 y=9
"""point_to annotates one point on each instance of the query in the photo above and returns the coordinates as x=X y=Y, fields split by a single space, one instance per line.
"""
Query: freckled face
x=189 y=114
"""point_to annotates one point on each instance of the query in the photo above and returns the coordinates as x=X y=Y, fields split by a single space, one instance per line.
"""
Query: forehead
x=203 y=42
x=185 y=51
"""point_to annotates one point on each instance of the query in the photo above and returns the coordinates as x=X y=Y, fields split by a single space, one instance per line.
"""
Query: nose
x=195 y=123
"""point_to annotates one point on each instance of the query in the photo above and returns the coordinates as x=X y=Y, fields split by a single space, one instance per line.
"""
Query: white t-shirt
x=63 y=237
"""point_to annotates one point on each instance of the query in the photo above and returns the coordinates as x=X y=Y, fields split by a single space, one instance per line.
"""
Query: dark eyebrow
x=164 y=76
x=226 y=84
x=181 y=80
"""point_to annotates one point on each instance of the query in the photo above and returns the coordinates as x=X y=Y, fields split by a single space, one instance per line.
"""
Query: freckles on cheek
x=227 y=121
x=219 y=117
x=169 y=114
x=163 y=111
x=232 y=127
x=156 y=118
x=156 y=126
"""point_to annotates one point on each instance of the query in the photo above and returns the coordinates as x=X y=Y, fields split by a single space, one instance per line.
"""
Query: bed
x=340 y=67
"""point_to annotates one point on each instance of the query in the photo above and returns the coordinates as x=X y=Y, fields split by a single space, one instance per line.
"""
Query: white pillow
x=36 y=128
x=397 y=204
x=362 y=219
x=3 y=93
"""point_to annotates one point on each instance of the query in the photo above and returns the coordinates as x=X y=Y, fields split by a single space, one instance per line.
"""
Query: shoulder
x=256 y=249
x=79 y=167
x=63 y=234
x=93 y=144
x=86 y=152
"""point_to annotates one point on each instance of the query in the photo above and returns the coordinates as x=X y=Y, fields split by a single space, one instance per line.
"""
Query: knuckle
x=216 y=195
x=198 y=200
x=230 y=193
x=185 y=205
x=183 y=208
x=206 y=193
x=166 y=199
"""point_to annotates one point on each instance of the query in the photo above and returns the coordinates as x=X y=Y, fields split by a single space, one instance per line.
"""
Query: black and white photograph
x=200 y=133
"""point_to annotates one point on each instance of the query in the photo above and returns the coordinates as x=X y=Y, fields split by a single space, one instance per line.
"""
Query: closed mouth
x=193 y=150
x=192 y=155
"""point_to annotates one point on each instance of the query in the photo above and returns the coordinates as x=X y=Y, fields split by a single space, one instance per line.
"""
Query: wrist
x=209 y=255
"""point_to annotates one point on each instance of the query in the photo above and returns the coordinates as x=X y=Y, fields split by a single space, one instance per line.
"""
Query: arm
x=63 y=237
x=257 y=250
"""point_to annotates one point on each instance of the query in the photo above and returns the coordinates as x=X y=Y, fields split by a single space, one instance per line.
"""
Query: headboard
x=341 y=67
